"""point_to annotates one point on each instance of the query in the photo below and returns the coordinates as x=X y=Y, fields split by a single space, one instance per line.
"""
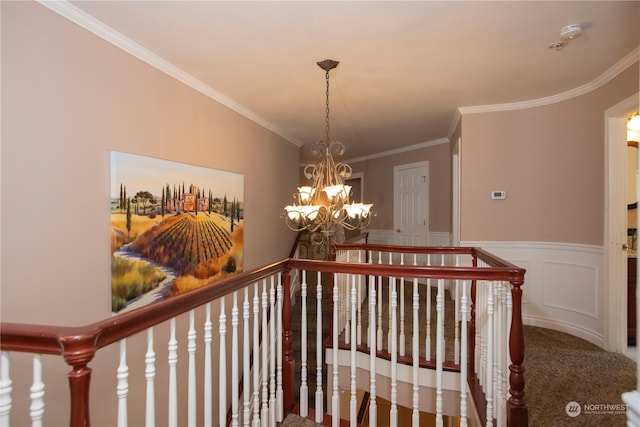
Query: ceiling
x=405 y=67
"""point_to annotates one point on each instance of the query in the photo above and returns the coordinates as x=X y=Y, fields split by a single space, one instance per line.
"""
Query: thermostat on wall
x=498 y=195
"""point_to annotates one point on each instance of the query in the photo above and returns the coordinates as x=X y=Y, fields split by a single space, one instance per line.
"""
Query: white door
x=411 y=204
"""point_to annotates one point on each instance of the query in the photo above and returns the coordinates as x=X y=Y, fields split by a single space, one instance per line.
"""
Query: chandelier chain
x=327 y=109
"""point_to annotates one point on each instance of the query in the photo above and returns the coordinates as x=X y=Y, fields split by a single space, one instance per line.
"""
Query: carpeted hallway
x=560 y=369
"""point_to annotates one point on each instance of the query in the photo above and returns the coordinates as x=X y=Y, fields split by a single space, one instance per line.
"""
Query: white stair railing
x=493 y=306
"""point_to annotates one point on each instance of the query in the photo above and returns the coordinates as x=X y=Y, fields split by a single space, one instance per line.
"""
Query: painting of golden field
x=174 y=228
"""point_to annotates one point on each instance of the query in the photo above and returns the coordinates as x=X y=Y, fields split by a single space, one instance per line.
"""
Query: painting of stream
x=174 y=227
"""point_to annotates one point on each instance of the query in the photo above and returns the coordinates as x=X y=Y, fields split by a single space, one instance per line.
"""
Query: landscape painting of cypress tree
x=174 y=227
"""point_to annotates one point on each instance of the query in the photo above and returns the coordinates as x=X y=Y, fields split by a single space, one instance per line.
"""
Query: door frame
x=455 y=196
x=615 y=227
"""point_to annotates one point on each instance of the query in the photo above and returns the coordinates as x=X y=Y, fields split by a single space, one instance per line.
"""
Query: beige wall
x=378 y=185
x=68 y=98
x=549 y=160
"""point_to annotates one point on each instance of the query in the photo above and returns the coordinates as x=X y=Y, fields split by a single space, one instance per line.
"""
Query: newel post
x=78 y=351
x=287 y=350
x=517 y=414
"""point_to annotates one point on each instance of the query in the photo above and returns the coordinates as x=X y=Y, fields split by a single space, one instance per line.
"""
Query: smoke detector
x=568 y=33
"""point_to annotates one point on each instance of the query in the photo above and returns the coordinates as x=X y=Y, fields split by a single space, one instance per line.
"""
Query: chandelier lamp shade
x=326 y=205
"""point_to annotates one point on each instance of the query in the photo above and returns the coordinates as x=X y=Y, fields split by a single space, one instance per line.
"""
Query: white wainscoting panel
x=571 y=287
x=563 y=285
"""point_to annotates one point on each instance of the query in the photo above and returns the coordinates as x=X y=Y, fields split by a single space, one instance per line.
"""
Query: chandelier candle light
x=325 y=206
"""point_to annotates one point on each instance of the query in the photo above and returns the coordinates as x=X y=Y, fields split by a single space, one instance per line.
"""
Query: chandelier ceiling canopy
x=325 y=205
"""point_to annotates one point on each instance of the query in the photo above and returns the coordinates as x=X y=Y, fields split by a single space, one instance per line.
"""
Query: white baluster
x=359 y=310
x=373 y=407
x=463 y=363
x=380 y=299
x=504 y=339
x=456 y=338
x=489 y=358
x=264 y=413
x=256 y=356
x=246 y=361
x=509 y=310
x=353 y=403
x=150 y=376
x=319 y=408
x=272 y=355
x=191 y=351
x=478 y=331
x=335 y=397
x=439 y=350
x=304 y=390
x=5 y=390
x=279 y=391
x=122 y=389
x=235 y=361
x=498 y=359
x=173 y=382
x=393 y=412
x=403 y=344
x=415 y=355
x=444 y=340
x=428 y=305
x=370 y=313
x=347 y=306
x=36 y=409
x=390 y=296
x=208 y=366
x=222 y=377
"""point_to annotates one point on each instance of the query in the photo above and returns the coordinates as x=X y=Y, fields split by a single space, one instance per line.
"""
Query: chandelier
x=325 y=206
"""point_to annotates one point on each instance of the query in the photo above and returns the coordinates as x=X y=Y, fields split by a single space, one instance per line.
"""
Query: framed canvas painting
x=174 y=227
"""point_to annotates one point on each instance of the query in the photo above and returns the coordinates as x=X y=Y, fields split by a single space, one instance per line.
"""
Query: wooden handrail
x=55 y=339
x=509 y=274
x=78 y=345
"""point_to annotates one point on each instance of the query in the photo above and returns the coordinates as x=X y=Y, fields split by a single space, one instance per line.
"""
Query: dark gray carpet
x=293 y=420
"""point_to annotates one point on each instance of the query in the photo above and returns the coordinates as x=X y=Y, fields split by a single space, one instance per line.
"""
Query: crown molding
x=400 y=150
x=89 y=23
x=607 y=76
